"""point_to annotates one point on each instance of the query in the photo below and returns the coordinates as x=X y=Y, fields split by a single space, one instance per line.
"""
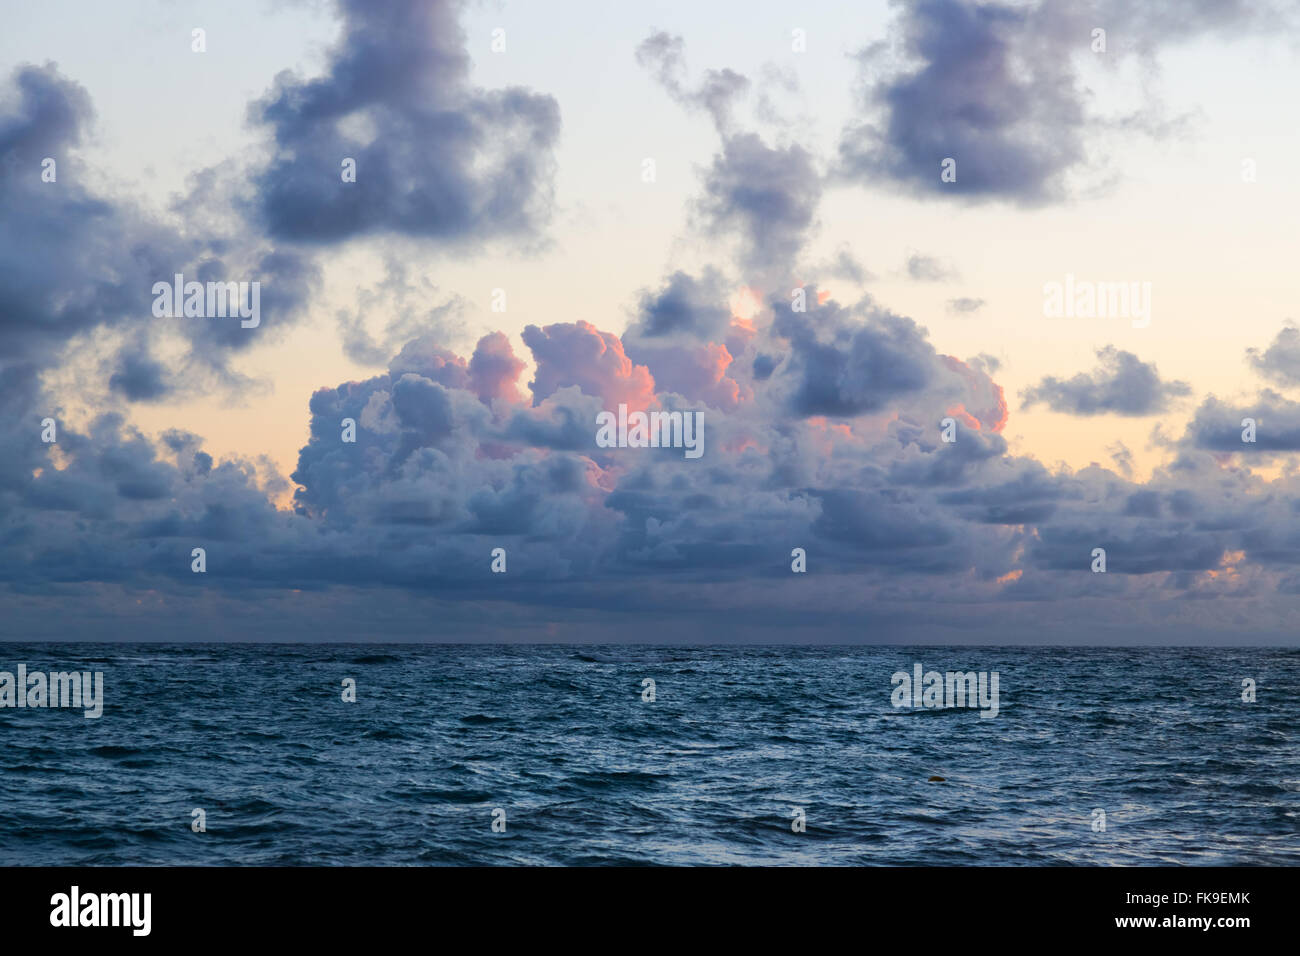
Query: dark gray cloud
x=139 y=376
x=768 y=195
x=1220 y=426
x=70 y=261
x=1129 y=550
x=924 y=463
x=435 y=157
x=1122 y=384
x=987 y=85
x=996 y=87
x=845 y=362
x=74 y=262
x=686 y=306
x=849 y=368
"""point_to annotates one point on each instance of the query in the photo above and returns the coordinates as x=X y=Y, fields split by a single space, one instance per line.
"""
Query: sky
x=561 y=208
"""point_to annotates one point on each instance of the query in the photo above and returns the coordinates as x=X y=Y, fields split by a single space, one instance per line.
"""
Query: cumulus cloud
x=768 y=194
x=997 y=88
x=453 y=459
x=579 y=354
x=1220 y=425
x=841 y=368
x=1122 y=384
x=436 y=157
x=982 y=87
x=70 y=261
x=685 y=335
x=139 y=376
x=75 y=263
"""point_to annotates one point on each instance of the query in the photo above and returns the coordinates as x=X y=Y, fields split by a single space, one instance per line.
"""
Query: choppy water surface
x=710 y=772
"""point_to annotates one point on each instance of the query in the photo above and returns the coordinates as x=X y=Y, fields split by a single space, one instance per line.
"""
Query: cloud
x=1218 y=425
x=1121 y=385
x=846 y=266
x=664 y=55
x=925 y=268
x=843 y=362
x=70 y=261
x=987 y=85
x=1280 y=362
x=965 y=305
x=764 y=195
x=436 y=157
x=139 y=376
x=577 y=353
x=77 y=268
x=1029 y=498
x=769 y=195
x=685 y=336
x=997 y=88
x=404 y=299
x=449 y=464
x=494 y=370
x=850 y=369
x=687 y=306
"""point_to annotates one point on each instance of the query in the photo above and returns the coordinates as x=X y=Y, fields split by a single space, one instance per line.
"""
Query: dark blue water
x=710 y=772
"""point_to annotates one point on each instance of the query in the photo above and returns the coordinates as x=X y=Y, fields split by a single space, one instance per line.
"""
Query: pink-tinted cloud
x=697 y=372
x=985 y=406
x=578 y=353
x=494 y=369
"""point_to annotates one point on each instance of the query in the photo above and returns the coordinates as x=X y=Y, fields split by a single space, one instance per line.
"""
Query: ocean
x=555 y=755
